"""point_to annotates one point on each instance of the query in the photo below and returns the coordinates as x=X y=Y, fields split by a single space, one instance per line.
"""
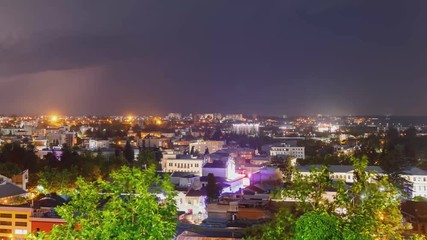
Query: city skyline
x=293 y=57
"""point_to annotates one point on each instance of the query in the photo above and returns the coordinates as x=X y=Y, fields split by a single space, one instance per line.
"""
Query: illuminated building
x=251 y=129
x=201 y=146
x=417 y=181
x=184 y=163
x=233 y=117
x=287 y=150
x=323 y=127
x=14 y=222
x=174 y=116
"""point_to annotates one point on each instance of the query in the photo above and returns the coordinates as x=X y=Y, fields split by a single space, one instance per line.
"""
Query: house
x=340 y=172
x=417 y=179
x=201 y=146
x=284 y=149
x=184 y=163
x=415 y=213
x=9 y=191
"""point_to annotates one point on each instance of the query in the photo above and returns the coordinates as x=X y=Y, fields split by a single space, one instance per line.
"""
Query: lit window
x=21 y=231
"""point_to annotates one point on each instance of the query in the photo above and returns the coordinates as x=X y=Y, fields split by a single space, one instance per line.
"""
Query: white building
x=339 y=172
x=201 y=146
x=233 y=117
x=286 y=150
x=174 y=116
x=192 y=202
x=417 y=179
x=224 y=169
x=246 y=129
x=184 y=163
x=98 y=144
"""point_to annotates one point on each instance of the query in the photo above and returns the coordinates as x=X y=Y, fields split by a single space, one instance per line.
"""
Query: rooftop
x=8 y=189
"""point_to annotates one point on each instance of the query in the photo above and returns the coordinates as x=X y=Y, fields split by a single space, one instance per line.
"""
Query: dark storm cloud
x=292 y=57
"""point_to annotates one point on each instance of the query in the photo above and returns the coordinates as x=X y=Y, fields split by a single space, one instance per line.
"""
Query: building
x=260 y=160
x=201 y=146
x=224 y=169
x=415 y=213
x=40 y=143
x=60 y=136
x=287 y=150
x=98 y=144
x=417 y=181
x=184 y=163
x=10 y=191
x=21 y=179
x=15 y=222
x=251 y=129
x=174 y=116
x=233 y=117
x=192 y=201
x=340 y=172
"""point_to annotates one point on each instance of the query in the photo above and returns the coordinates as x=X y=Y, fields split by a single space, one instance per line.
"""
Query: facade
x=340 y=172
x=417 y=179
x=14 y=222
x=98 y=144
x=201 y=146
x=233 y=117
x=192 y=201
x=287 y=150
x=21 y=179
x=174 y=116
x=184 y=163
x=251 y=129
x=222 y=169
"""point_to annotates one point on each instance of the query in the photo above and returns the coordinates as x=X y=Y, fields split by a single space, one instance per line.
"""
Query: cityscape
x=228 y=176
x=219 y=120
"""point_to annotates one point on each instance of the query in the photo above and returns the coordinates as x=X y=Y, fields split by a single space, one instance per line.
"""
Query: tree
x=317 y=226
x=9 y=169
x=367 y=209
x=281 y=227
x=124 y=208
x=309 y=190
x=146 y=158
x=128 y=152
x=212 y=189
x=56 y=180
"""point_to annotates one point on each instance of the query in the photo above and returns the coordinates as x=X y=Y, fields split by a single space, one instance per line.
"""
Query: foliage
x=22 y=157
x=281 y=227
x=367 y=209
x=212 y=189
x=146 y=158
x=9 y=169
x=128 y=152
x=417 y=237
x=309 y=189
x=56 y=180
x=317 y=226
x=285 y=165
x=124 y=208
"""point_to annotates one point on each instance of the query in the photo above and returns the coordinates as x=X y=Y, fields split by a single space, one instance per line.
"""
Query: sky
x=294 y=57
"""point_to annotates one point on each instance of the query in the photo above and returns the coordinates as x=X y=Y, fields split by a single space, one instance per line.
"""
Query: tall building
x=246 y=129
